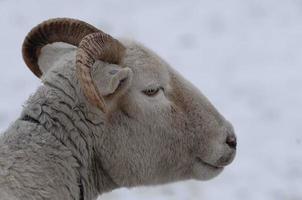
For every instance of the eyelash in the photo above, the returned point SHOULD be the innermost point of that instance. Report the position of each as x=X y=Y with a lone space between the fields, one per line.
x=152 y=92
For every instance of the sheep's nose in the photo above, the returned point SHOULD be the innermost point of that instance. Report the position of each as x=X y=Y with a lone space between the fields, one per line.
x=231 y=141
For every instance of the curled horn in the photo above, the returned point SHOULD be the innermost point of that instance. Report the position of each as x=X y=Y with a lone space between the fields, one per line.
x=96 y=46
x=67 y=30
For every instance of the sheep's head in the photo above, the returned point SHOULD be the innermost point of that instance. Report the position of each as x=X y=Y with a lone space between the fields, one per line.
x=159 y=128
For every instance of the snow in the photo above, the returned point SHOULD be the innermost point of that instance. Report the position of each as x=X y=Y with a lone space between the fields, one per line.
x=244 y=55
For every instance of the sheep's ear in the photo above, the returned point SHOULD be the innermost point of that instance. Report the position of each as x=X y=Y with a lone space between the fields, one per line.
x=111 y=79
x=53 y=53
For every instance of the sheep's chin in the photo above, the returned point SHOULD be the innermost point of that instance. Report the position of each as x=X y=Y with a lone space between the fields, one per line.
x=204 y=171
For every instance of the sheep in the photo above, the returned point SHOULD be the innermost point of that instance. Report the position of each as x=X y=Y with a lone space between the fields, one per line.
x=109 y=114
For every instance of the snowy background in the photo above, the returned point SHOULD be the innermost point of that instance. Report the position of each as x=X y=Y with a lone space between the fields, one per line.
x=246 y=56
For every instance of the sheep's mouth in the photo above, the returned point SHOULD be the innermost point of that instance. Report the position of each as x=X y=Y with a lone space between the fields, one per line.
x=199 y=160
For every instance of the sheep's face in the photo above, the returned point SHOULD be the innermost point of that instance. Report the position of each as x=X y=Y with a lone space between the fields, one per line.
x=159 y=127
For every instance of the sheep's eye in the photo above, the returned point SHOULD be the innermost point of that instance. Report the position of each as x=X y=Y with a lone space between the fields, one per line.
x=151 y=92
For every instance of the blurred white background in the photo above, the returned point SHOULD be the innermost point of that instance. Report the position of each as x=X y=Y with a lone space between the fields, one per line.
x=246 y=56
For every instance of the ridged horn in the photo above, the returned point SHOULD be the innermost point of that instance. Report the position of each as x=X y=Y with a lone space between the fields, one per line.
x=96 y=46
x=67 y=30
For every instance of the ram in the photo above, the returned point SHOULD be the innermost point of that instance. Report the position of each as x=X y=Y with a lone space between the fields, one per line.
x=110 y=114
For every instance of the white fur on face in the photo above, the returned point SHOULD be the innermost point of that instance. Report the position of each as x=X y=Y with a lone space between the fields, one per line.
x=176 y=134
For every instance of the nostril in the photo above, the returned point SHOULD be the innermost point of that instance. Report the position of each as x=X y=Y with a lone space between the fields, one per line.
x=231 y=141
